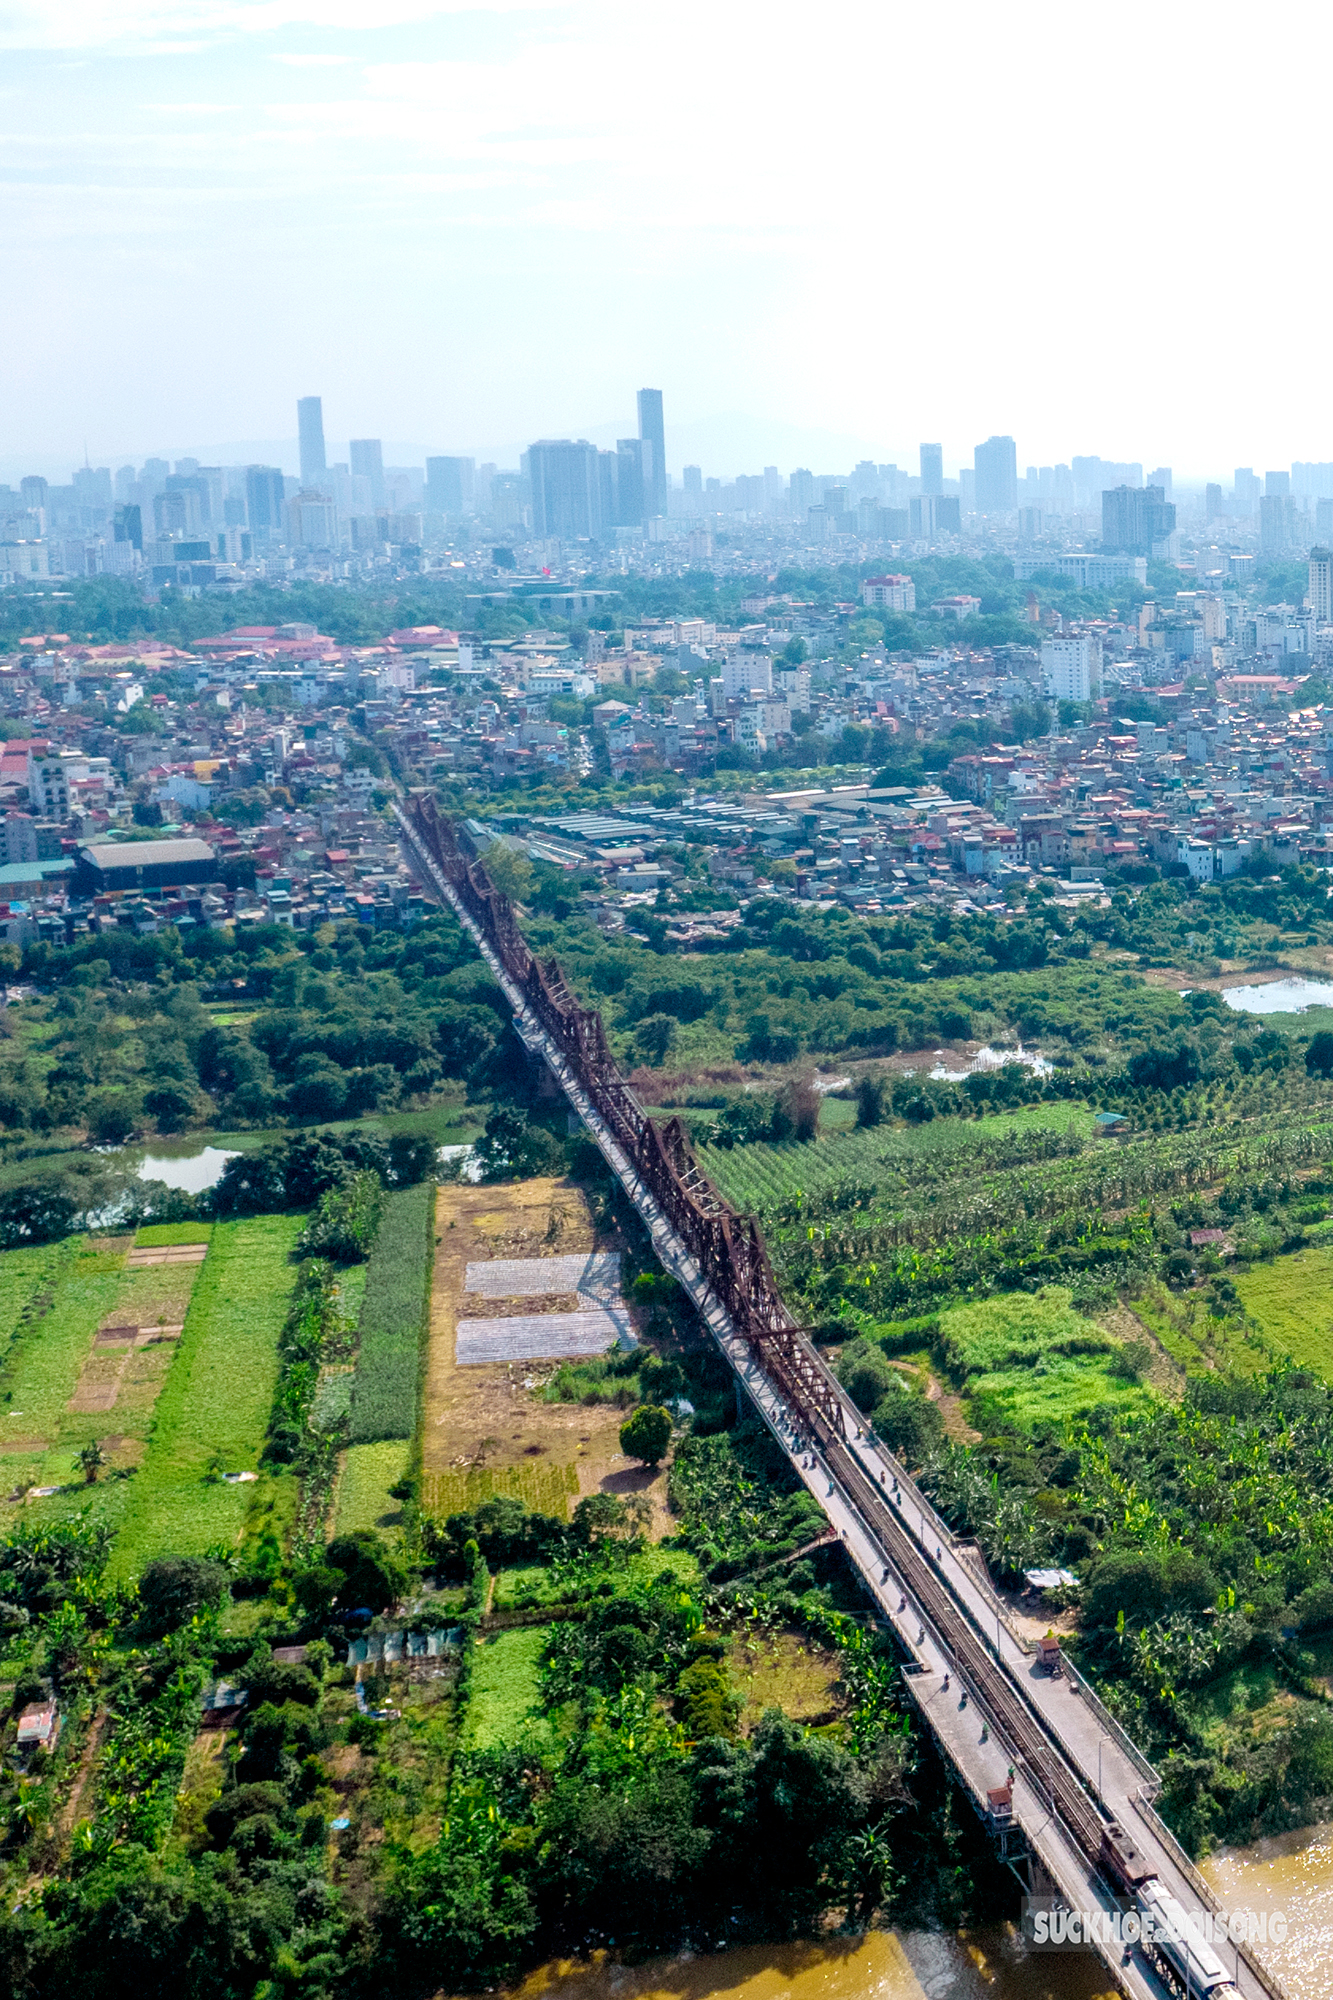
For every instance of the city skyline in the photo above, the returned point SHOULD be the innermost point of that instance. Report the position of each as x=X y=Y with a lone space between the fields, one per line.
x=835 y=452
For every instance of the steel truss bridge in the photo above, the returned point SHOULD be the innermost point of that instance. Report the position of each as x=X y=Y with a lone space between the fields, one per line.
x=1002 y=1722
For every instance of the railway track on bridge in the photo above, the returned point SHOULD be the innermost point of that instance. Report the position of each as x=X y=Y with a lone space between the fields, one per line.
x=721 y=1258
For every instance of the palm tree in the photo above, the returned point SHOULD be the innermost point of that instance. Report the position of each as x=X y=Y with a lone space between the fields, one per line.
x=92 y=1458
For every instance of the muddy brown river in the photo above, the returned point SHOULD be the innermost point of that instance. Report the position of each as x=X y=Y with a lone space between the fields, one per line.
x=879 y=1966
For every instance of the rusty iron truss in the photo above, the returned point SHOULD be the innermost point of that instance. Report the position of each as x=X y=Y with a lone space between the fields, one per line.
x=728 y=1248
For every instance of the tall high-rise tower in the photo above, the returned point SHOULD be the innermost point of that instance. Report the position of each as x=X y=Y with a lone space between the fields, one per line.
x=932 y=470
x=1321 y=585
x=996 y=464
x=367 y=462
x=310 y=426
x=653 y=437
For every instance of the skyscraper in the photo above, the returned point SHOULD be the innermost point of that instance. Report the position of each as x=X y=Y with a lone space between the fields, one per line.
x=996 y=464
x=1247 y=492
x=265 y=497
x=653 y=436
x=1321 y=585
x=1134 y=518
x=366 y=457
x=932 y=470
x=1279 y=528
x=310 y=425
x=630 y=483
x=566 y=488
x=450 y=483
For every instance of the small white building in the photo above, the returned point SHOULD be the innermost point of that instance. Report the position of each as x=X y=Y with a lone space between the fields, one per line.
x=1197 y=856
x=889 y=593
x=1066 y=669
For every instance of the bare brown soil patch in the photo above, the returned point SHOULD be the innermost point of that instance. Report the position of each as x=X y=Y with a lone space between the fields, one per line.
x=69 y=1812
x=478 y=1305
x=604 y=1468
x=118 y=1366
x=951 y=1409
x=170 y=1253
x=485 y=1418
x=131 y=1351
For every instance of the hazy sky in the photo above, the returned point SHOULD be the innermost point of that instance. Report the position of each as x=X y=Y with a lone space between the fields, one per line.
x=825 y=232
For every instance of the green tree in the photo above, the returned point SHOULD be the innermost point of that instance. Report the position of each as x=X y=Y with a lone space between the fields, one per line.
x=869 y=1100
x=1319 y=1053
x=654 y=1039
x=174 y=1588
x=90 y=1461
x=647 y=1434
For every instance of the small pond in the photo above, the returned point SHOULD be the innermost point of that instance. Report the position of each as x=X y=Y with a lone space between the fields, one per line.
x=190 y=1172
x=988 y=1058
x=1279 y=996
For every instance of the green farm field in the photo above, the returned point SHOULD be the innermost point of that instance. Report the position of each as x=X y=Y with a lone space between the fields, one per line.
x=214 y=1409
x=754 y=1174
x=363 y=1498
x=1291 y=1300
x=504 y=1687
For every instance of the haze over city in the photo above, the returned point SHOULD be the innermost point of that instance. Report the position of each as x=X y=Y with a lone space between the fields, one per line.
x=466 y=226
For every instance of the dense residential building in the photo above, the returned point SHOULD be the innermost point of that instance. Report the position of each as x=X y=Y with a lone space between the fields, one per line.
x=889 y=593
x=1066 y=668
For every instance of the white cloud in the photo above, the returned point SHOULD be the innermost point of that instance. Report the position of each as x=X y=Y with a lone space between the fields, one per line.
x=52 y=24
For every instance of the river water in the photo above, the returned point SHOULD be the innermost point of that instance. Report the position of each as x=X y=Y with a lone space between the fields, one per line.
x=1292 y=1872
x=879 y=1966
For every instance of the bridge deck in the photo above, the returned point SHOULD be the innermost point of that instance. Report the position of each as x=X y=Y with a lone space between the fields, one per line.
x=1073 y=1765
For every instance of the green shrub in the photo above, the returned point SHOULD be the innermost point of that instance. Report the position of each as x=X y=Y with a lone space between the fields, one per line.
x=646 y=1434
x=345 y=1224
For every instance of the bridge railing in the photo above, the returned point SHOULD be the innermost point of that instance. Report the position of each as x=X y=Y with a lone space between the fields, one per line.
x=1110 y=1727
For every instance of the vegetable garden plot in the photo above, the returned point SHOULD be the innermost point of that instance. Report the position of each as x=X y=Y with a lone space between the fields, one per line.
x=537 y=1336
x=593 y=1274
x=214 y=1407
x=388 y=1364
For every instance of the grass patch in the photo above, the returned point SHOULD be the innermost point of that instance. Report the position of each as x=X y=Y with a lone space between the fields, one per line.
x=1291 y=1301
x=216 y=1402
x=23 y=1274
x=1197 y=1339
x=779 y=1670
x=160 y=1235
x=388 y=1363
x=543 y=1489
x=533 y=1583
x=368 y=1471
x=48 y=1354
x=504 y=1688
x=1029 y=1361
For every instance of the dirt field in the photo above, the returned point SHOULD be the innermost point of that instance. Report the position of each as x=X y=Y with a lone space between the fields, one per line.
x=484 y=1429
